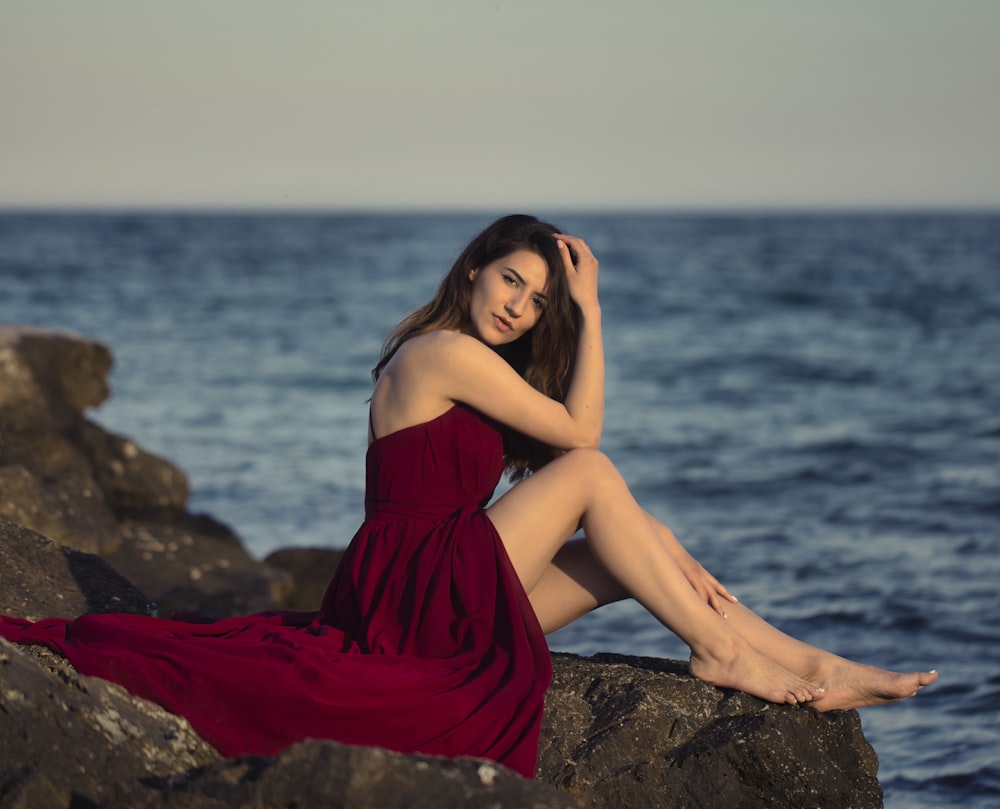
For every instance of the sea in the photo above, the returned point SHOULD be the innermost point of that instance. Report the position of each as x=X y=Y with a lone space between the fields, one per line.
x=810 y=400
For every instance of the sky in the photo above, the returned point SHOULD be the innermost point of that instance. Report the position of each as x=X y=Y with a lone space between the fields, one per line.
x=461 y=104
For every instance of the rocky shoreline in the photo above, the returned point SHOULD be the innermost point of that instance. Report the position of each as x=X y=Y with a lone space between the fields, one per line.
x=91 y=522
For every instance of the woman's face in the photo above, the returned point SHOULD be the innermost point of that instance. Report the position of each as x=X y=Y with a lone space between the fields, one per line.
x=508 y=297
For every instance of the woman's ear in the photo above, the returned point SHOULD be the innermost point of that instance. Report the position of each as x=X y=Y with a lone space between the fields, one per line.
x=472 y=273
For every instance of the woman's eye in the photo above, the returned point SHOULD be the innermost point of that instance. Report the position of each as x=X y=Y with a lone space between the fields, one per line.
x=539 y=303
x=510 y=279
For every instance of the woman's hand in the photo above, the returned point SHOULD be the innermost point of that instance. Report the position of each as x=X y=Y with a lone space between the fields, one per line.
x=581 y=275
x=705 y=584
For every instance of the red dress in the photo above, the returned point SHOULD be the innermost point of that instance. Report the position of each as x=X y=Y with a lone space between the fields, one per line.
x=425 y=642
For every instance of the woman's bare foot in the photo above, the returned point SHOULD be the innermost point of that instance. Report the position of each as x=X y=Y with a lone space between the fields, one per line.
x=746 y=669
x=856 y=685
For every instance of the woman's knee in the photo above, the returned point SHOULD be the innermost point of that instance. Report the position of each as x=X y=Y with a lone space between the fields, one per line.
x=592 y=465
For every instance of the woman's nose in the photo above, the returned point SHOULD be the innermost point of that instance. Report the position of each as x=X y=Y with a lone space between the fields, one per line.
x=515 y=306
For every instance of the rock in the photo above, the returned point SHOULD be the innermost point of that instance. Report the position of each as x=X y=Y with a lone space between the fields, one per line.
x=74 y=516
x=330 y=774
x=66 y=477
x=194 y=565
x=618 y=731
x=60 y=474
x=311 y=570
x=68 y=740
x=72 y=741
x=50 y=377
x=40 y=579
x=131 y=479
x=639 y=732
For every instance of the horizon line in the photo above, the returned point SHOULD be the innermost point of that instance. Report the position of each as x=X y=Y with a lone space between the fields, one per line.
x=758 y=209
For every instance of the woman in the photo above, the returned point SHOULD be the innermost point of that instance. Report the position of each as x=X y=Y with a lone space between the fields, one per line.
x=431 y=635
x=517 y=275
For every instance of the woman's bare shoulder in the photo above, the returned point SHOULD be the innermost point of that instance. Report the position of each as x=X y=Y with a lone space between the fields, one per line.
x=437 y=344
x=450 y=365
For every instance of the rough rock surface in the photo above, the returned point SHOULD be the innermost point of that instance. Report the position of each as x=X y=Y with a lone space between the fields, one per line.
x=66 y=477
x=640 y=732
x=69 y=741
x=618 y=731
x=40 y=579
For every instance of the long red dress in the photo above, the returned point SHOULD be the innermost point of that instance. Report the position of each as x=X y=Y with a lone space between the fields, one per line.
x=425 y=641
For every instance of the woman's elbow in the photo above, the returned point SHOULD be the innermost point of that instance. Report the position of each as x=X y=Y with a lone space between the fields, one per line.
x=588 y=440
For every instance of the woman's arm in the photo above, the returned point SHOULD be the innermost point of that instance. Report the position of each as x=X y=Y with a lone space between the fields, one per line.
x=585 y=399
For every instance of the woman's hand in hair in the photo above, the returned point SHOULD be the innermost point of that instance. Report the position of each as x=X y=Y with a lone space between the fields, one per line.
x=581 y=272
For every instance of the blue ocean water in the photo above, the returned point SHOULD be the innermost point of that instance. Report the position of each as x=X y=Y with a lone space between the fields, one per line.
x=812 y=402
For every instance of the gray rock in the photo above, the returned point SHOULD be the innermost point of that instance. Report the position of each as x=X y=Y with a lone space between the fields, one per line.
x=50 y=377
x=68 y=740
x=66 y=477
x=131 y=479
x=39 y=578
x=193 y=565
x=60 y=474
x=334 y=775
x=641 y=732
x=618 y=731
x=311 y=570
x=72 y=741
x=74 y=518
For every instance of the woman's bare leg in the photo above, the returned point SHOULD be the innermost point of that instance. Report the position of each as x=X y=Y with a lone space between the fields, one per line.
x=576 y=583
x=537 y=516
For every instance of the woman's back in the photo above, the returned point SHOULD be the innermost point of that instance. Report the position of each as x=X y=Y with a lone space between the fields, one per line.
x=430 y=468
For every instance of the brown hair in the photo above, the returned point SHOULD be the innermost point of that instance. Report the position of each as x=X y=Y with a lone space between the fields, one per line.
x=543 y=357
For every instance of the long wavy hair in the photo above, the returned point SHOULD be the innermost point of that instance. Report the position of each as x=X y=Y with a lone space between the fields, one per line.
x=543 y=357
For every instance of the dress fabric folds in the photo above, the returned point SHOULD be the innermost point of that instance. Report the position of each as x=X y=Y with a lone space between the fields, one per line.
x=425 y=641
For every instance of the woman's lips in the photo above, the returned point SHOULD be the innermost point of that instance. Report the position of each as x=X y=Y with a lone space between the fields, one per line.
x=502 y=324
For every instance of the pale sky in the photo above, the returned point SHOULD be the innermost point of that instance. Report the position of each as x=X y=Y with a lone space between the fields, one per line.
x=454 y=104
